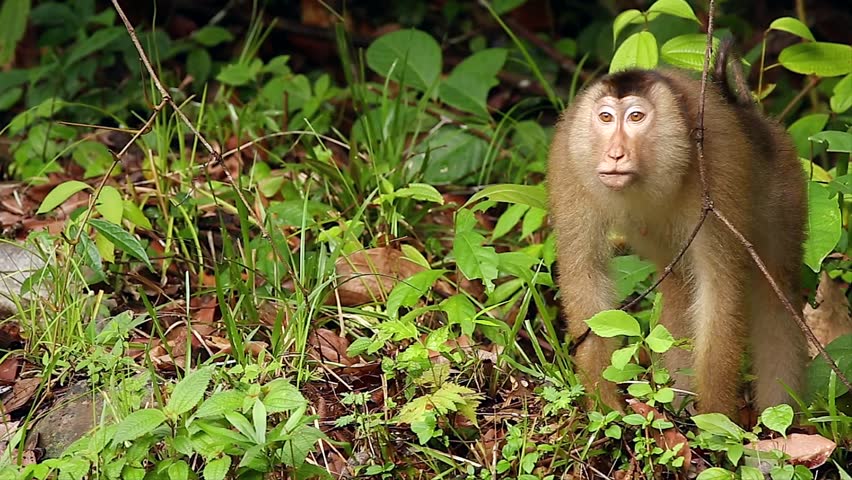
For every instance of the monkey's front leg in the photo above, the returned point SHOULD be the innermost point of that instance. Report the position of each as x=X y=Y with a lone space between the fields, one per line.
x=720 y=274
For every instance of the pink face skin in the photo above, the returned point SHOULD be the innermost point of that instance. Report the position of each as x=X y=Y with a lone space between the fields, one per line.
x=620 y=123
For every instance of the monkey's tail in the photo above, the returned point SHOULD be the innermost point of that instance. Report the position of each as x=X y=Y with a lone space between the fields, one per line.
x=727 y=60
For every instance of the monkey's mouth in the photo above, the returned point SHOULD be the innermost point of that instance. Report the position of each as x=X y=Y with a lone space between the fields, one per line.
x=616 y=180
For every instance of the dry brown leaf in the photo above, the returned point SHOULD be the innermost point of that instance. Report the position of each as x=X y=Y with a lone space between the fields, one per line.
x=329 y=346
x=668 y=438
x=831 y=318
x=9 y=369
x=369 y=275
x=21 y=394
x=808 y=450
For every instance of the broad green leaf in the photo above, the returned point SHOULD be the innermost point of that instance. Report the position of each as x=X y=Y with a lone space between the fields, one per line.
x=815 y=172
x=407 y=292
x=13 y=17
x=505 y=6
x=460 y=311
x=664 y=395
x=475 y=260
x=621 y=357
x=198 y=65
x=138 y=423
x=212 y=35
x=93 y=156
x=135 y=215
x=842 y=98
x=450 y=155
x=629 y=271
x=189 y=391
x=420 y=191
x=238 y=74
x=818 y=58
x=750 y=473
x=411 y=57
x=612 y=323
x=630 y=372
x=660 y=339
x=219 y=403
x=508 y=220
x=110 y=204
x=295 y=451
x=794 y=26
x=687 y=51
x=282 y=396
x=819 y=373
x=837 y=141
x=624 y=19
x=467 y=86
x=531 y=195
x=678 y=8
x=802 y=129
x=823 y=227
x=258 y=418
x=778 y=418
x=718 y=424
x=638 y=51
x=178 y=470
x=122 y=239
x=60 y=194
x=99 y=40
x=639 y=390
x=217 y=469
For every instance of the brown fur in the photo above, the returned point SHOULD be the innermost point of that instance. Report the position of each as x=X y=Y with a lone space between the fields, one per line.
x=715 y=296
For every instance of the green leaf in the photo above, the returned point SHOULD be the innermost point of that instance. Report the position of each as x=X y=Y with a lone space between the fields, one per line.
x=178 y=470
x=530 y=195
x=624 y=19
x=467 y=86
x=639 y=390
x=217 y=469
x=508 y=220
x=802 y=129
x=621 y=357
x=660 y=339
x=750 y=473
x=792 y=25
x=132 y=213
x=189 y=391
x=408 y=56
x=199 y=64
x=718 y=424
x=110 y=204
x=629 y=271
x=778 y=418
x=295 y=451
x=212 y=35
x=121 y=239
x=13 y=17
x=837 y=141
x=460 y=311
x=419 y=191
x=612 y=323
x=819 y=373
x=475 y=260
x=687 y=51
x=638 y=51
x=664 y=395
x=93 y=156
x=823 y=227
x=219 y=403
x=818 y=58
x=282 y=396
x=138 y=423
x=60 y=194
x=677 y=8
x=842 y=98
x=96 y=43
x=505 y=6
x=450 y=155
x=407 y=292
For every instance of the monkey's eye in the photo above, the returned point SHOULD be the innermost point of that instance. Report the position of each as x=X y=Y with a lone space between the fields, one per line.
x=605 y=117
x=636 y=116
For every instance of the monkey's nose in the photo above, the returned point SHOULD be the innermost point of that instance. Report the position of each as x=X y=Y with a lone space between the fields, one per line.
x=616 y=154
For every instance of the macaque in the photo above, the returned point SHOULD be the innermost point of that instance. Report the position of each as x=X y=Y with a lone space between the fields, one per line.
x=624 y=159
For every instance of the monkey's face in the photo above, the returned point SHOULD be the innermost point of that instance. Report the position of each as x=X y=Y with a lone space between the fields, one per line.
x=620 y=125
